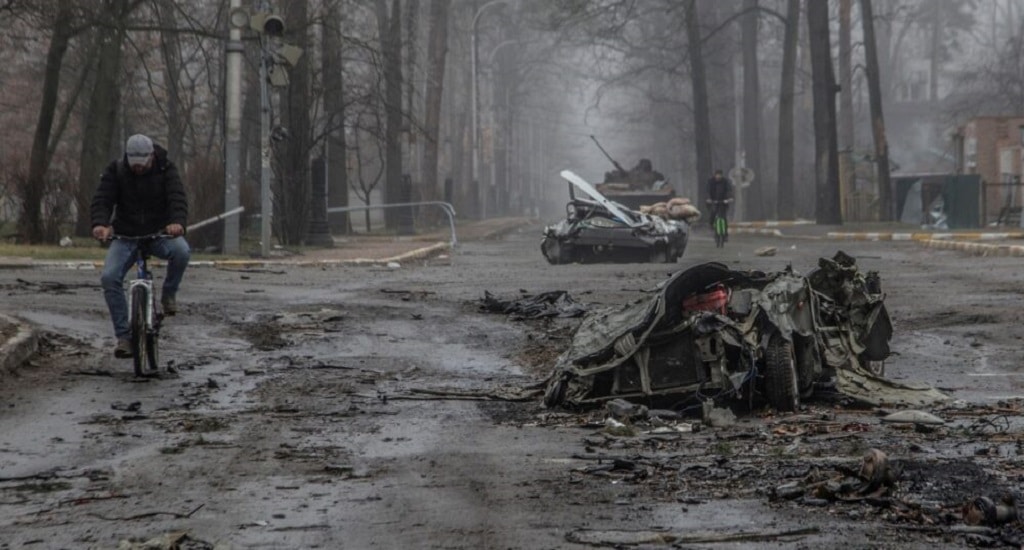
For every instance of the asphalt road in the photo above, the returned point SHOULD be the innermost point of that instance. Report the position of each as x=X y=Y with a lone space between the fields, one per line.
x=368 y=407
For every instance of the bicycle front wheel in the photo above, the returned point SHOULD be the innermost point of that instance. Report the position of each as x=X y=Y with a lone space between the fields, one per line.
x=140 y=349
x=152 y=353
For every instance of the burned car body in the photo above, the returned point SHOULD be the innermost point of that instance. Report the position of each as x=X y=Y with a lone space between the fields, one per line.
x=598 y=230
x=714 y=334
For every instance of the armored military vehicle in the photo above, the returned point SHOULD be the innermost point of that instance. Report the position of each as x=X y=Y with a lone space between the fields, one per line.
x=639 y=186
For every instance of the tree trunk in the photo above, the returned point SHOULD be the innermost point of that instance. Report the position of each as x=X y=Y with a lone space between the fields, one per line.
x=101 y=114
x=437 y=51
x=294 y=189
x=334 y=105
x=411 y=152
x=752 y=195
x=390 y=31
x=701 y=119
x=786 y=100
x=884 y=46
x=169 y=48
x=30 y=222
x=885 y=206
x=825 y=138
x=721 y=52
x=250 y=157
x=936 y=38
x=846 y=130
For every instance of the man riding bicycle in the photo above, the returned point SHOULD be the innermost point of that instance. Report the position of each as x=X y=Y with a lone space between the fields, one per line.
x=139 y=194
x=720 y=194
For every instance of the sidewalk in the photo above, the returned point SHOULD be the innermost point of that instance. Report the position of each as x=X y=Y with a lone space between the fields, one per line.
x=347 y=250
x=979 y=242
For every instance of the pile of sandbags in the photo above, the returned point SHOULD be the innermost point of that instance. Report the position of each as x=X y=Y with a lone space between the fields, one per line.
x=676 y=208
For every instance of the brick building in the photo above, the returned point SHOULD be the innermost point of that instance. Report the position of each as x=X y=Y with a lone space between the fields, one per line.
x=993 y=147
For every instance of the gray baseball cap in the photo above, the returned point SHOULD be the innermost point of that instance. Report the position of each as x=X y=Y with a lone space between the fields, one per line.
x=138 y=149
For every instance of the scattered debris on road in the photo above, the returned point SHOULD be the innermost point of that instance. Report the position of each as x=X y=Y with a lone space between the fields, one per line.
x=728 y=337
x=556 y=303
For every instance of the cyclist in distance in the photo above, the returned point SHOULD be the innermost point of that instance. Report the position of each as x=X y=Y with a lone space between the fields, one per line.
x=140 y=194
x=719 y=191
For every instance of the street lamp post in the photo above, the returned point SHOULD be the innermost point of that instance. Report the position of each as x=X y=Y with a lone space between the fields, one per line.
x=233 y=124
x=274 y=56
x=492 y=115
x=480 y=195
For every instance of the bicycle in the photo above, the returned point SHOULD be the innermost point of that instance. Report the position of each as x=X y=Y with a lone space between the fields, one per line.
x=144 y=317
x=720 y=223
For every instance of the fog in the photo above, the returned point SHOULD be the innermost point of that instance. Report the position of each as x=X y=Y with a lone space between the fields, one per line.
x=482 y=103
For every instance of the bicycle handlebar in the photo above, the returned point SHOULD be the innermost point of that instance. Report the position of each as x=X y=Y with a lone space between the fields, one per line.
x=150 y=237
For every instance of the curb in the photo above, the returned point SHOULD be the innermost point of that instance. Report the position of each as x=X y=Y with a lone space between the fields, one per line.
x=18 y=349
x=896 y=236
x=749 y=230
x=421 y=253
x=772 y=223
x=977 y=249
x=416 y=254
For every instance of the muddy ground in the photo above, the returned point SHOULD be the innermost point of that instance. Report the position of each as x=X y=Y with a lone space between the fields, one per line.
x=380 y=408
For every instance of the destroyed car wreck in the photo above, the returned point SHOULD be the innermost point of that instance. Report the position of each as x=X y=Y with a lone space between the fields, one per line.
x=714 y=336
x=598 y=230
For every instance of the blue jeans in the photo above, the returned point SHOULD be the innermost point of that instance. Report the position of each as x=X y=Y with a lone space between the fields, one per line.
x=120 y=258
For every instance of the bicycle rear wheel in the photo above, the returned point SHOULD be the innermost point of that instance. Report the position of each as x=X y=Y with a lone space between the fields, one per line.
x=141 y=341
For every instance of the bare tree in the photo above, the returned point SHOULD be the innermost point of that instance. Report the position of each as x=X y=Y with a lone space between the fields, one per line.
x=784 y=200
x=368 y=170
x=752 y=109
x=389 y=24
x=825 y=138
x=885 y=206
x=437 y=51
x=334 y=107
x=846 y=128
x=101 y=112
x=293 y=188
x=701 y=118
x=170 y=51
x=30 y=223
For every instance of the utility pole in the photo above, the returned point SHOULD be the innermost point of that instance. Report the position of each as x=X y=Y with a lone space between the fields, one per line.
x=233 y=126
x=274 y=57
x=481 y=192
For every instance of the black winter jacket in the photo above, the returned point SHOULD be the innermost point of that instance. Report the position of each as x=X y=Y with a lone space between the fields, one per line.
x=719 y=190
x=140 y=205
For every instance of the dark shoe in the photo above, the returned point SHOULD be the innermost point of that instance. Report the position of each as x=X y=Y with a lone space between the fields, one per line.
x=169 y=305
x=123 y=349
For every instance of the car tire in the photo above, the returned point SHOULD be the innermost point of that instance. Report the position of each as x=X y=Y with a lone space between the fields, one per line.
x=780 y=379
x=554 y=395
x=660 y=255
x=556 y=252
x=808 y=364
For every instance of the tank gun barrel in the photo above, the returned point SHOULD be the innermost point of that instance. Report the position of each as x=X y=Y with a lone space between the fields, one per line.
x=609 y=157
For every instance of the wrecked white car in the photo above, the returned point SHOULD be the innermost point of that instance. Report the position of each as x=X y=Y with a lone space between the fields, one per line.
x=598 y=230
x=715 y=335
